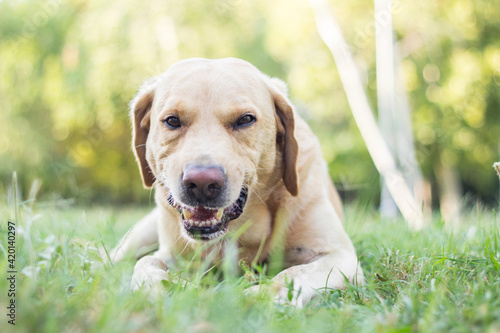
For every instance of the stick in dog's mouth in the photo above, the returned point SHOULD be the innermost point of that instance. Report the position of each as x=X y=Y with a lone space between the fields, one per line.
x=205 y=223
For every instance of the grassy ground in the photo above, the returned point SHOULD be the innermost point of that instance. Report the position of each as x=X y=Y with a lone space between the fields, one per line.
x=429 y=281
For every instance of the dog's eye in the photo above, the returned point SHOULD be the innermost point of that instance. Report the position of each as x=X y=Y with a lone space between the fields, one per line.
x=245 y=121
x=172 y=122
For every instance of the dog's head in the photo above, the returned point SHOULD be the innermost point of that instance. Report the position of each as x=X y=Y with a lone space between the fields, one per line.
x=211 y=133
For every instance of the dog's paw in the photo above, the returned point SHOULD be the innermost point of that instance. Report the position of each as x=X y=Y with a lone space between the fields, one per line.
x=148 y=273
x=284 y=293
x=252 y=291
x=299 y=290
x=294 y=293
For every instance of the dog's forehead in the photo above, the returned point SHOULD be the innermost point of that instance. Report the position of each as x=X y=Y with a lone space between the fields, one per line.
x=217 y=65
x=205 y=78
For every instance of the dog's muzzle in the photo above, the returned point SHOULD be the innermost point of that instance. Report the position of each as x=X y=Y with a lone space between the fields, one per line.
x=205 y=223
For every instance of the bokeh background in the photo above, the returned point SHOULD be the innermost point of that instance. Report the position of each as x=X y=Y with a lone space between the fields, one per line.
x=68 y=69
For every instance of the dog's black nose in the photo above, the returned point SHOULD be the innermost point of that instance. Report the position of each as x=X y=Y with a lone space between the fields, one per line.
x=203 y=182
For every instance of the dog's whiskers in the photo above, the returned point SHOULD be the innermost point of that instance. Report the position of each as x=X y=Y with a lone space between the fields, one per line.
x=185 y=246
x=254 y=192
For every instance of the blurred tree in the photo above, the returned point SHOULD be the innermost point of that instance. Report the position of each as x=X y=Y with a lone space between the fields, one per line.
x=69 y=68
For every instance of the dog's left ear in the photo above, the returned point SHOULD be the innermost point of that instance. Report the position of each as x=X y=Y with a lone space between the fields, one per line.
x=285 y=123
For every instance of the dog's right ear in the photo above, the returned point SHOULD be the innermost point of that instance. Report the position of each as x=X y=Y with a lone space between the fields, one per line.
x=140 y=112
x=285 y=122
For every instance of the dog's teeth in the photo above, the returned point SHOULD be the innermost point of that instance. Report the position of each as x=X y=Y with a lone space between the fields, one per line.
x=203 y=223
x=187 y=214
x=213 y=221
x=218 y=216
x=195 y=222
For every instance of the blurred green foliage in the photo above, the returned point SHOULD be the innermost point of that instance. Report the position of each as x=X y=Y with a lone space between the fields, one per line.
x=69 y=68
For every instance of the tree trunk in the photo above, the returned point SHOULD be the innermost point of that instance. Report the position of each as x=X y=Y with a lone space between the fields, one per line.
x=450 y=194
x=394 y=115
x=384 y=161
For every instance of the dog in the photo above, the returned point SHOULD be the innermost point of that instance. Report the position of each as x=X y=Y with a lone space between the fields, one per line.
x=224 y=148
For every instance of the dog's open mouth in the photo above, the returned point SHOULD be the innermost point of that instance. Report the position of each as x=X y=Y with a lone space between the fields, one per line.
x=205 y=223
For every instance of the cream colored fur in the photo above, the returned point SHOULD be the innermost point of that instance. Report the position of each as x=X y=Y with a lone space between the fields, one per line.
x=292 y=204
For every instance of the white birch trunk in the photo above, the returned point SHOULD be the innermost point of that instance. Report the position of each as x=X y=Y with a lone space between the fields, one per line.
x=386 y=91
x=363 y=115
x=393 y=109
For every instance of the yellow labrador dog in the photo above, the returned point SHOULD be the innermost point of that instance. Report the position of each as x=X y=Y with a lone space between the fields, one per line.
x=222 y=145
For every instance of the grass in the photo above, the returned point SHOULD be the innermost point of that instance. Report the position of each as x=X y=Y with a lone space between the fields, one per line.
x=435 y=280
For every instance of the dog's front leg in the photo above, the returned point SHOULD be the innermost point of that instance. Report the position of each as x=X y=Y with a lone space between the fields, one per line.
x=149 y=271
x=140 y=240
x=308 y=280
